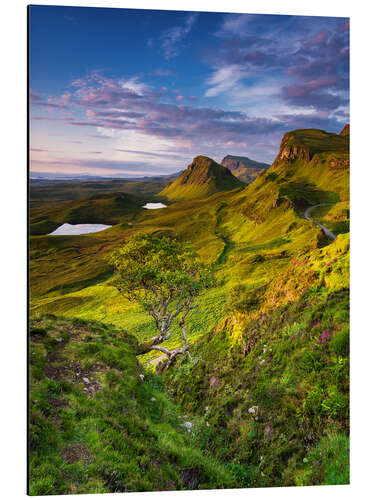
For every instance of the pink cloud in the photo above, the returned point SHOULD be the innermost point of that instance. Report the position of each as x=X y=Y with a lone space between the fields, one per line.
x=320 y=37
x=304 y=88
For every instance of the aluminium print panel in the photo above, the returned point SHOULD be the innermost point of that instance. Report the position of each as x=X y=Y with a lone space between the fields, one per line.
x=188 y=250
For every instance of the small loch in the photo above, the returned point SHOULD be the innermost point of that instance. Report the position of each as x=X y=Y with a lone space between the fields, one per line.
x=72 y=229
x=154 y=206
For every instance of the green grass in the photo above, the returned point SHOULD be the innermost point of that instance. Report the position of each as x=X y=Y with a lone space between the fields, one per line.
x=335 y=217
x=317 y=141
x=70 y=275
x=96 y=426
x=327 y=463
x=274 y=397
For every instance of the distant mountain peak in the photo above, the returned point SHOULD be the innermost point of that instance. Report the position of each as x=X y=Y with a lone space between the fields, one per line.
x=243 y=167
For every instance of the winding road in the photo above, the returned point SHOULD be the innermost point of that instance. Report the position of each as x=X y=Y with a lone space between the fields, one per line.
x=326 y=231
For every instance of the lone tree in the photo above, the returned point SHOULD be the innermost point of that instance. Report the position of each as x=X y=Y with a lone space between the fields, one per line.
x=164 y=276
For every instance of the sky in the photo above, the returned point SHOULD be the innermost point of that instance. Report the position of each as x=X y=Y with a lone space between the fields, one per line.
x=132 y=93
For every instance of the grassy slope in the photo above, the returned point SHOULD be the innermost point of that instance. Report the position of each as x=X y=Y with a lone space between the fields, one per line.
x=269 y=388
x=335 y=217
x=96 y=426
x=69 y=275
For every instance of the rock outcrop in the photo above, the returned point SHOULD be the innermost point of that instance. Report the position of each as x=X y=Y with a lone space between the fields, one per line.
x=345 y=130
x=305 y=144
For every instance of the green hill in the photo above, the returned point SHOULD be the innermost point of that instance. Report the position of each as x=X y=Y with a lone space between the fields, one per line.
x=202 y=178
x=243 y=168
x=231 y=229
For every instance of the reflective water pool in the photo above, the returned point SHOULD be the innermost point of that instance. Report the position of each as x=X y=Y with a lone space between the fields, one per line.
x=67 y=229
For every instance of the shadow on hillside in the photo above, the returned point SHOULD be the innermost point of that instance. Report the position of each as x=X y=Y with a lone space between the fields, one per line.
x=305 y=194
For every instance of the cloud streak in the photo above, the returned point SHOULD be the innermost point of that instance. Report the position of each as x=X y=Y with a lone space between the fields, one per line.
x=173 y=37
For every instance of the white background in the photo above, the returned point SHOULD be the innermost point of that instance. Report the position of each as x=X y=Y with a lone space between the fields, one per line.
x=13 y=241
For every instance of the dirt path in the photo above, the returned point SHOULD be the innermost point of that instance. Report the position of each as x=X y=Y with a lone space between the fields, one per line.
x=326 y=231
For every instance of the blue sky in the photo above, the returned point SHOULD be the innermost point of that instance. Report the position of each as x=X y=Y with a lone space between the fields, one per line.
x=120 y=92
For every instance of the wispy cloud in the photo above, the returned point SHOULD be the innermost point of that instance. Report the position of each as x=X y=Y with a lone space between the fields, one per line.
x=173 y=37
x=223 y=79
x=46 y=118
x=240 y=83
x=164 y=72
x=98 y=136
x=153 y=155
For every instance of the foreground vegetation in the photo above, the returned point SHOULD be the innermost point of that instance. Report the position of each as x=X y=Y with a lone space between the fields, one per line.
x=99 y=423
